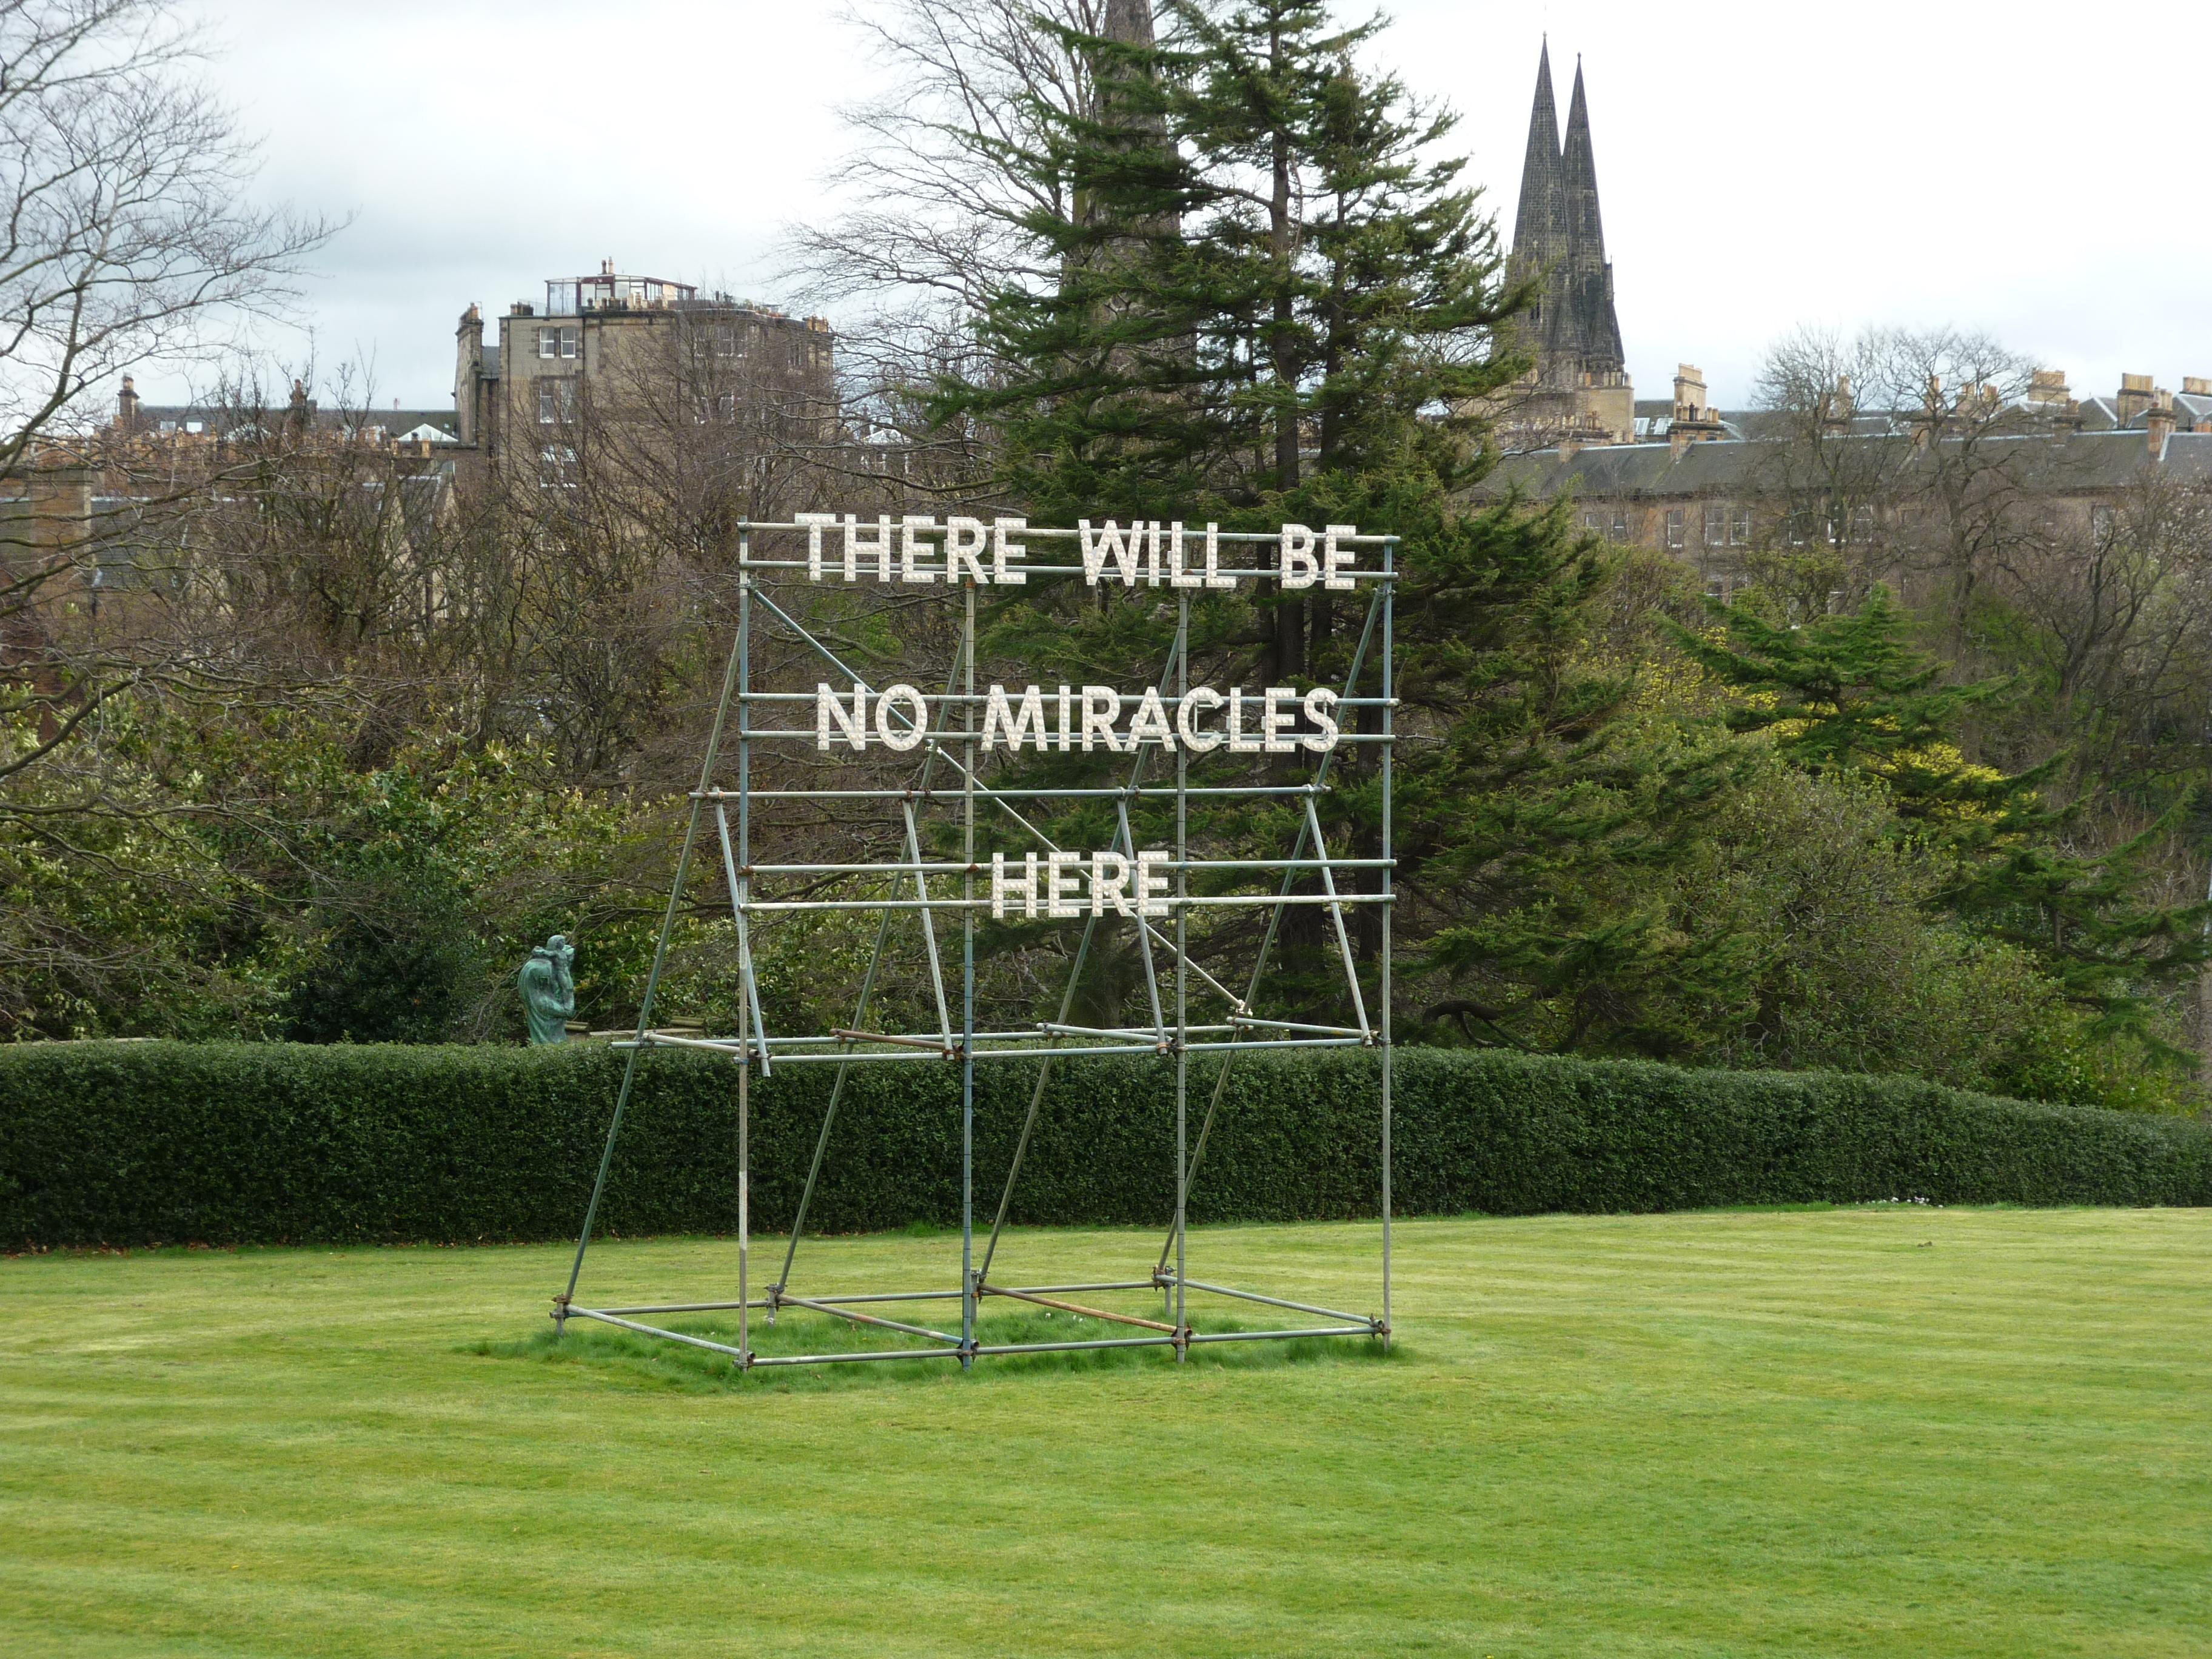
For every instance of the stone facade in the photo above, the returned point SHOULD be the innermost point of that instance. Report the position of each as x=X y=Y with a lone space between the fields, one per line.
x=1715 y=500
x=632 y=350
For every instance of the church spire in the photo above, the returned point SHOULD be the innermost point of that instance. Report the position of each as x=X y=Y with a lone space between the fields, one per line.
x=1596 y=326
x=1578 y=174
x=1578 y=381
x=1537 y=219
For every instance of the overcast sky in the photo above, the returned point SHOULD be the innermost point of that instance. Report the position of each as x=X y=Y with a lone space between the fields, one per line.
x=2026 y=169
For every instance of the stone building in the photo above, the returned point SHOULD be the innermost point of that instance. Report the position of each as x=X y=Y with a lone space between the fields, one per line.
x=121 y=499
x=1716 y=491
x=304 y=419
x=632 y=350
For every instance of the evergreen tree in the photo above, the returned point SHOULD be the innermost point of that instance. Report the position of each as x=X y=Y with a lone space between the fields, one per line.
x=1277 y=303
x=1851 y=694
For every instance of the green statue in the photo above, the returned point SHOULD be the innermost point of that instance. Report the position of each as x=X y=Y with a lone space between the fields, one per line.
x=549 y=990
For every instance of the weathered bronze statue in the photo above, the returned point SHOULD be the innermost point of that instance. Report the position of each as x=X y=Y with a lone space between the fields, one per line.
x=549 y=990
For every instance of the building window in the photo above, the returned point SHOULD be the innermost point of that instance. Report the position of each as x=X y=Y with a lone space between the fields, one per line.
x=556 y=342
x=557 y=467
x=556 y=401
x=1676 y=536
x=1740 y=528
x=725 y=340
x=1716 y=525
x=1593 y=521
x=1862 y=523
x=2100 y=524
x=1620 y=526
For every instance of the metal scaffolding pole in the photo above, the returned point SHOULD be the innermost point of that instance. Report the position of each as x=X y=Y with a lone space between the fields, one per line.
x=1382 y=972
x=567 y=1295
x=747 y=991
x=967 y=996
x=1182 y=982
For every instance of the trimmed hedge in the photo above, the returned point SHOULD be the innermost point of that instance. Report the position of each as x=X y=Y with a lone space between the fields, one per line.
x=127 y=1144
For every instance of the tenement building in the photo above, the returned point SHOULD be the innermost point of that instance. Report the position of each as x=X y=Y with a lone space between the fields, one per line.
x=1870 y=490
x=636 y=352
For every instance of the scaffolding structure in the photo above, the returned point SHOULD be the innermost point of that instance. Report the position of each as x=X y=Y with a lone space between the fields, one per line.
x=948 y=759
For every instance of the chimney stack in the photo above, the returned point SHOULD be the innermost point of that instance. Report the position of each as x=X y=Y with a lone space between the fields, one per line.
x=1838 y=406
x=2162 y=426
x=126 y=406
x=1690 y=393
x=1932 y=412
x=2137 y=394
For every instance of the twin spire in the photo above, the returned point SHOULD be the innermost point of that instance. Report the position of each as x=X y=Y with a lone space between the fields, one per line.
x=1558 y=236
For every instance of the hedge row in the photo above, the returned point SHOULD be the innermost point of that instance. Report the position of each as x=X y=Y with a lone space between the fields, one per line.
x=143 y=1143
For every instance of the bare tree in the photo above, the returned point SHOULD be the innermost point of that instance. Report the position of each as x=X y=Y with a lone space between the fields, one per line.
x=1890 y=456
x=131 y=237
x=2116 y=601
x=129 y=240
x=950 y=180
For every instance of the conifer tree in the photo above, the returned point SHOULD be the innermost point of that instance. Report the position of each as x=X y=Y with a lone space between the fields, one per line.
x=1851 y=693
x=1279 y=301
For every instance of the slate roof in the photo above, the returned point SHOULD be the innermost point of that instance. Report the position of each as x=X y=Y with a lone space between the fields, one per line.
x=2085 y=463
x=178 y=417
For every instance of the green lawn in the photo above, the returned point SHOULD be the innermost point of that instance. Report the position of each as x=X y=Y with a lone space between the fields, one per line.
x=1891 y=1430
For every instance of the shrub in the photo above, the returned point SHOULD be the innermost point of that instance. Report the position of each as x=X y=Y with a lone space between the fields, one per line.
x=126 y=1144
